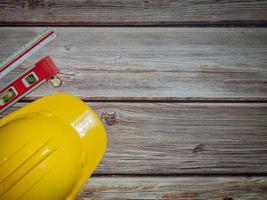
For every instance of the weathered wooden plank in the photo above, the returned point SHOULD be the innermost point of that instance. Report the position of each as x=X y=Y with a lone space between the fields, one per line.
x=184 y=138
x=180 y=188
x=154 y=63
x=141 y=12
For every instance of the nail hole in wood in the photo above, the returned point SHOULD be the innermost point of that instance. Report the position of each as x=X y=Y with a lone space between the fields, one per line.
x=200 y=147
x=228 y=198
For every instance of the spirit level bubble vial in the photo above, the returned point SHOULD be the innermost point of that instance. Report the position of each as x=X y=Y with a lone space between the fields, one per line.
x=42 y=71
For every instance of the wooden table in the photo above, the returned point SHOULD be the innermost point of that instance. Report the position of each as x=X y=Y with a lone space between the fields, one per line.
x=180 y=85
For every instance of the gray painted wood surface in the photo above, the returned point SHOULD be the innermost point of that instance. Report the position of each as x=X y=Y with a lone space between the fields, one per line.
x=163 y=141
x=179 y=188
x=184 y=138
x=154 y=63
x=130 y=12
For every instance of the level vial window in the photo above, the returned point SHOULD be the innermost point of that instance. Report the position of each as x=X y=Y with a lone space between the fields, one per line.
x=7 y=95
x=30 y=79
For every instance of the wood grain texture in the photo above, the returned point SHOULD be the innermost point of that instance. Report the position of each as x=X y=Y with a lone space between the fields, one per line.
x=179 y=188
x=130 y=12
x=153 y=63
x=185 y=138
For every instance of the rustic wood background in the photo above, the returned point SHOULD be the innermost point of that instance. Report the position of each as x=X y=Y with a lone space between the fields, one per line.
x=180 y=85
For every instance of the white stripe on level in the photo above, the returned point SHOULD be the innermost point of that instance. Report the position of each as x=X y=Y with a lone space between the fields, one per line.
x=23 y=95
x=27 y=54
x=24 y=47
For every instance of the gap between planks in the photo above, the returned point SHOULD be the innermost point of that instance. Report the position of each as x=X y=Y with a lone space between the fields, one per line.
x=160 y=100
x=185 y=24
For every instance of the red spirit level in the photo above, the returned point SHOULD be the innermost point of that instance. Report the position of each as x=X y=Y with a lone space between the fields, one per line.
x=42 y=71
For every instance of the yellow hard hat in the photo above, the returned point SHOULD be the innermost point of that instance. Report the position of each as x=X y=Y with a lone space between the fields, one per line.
x=49 y=148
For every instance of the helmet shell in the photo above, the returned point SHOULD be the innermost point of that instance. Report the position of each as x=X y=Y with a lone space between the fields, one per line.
x=48 y=149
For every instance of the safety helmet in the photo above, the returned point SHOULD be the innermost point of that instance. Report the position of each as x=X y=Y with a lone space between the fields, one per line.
x=49 y=148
